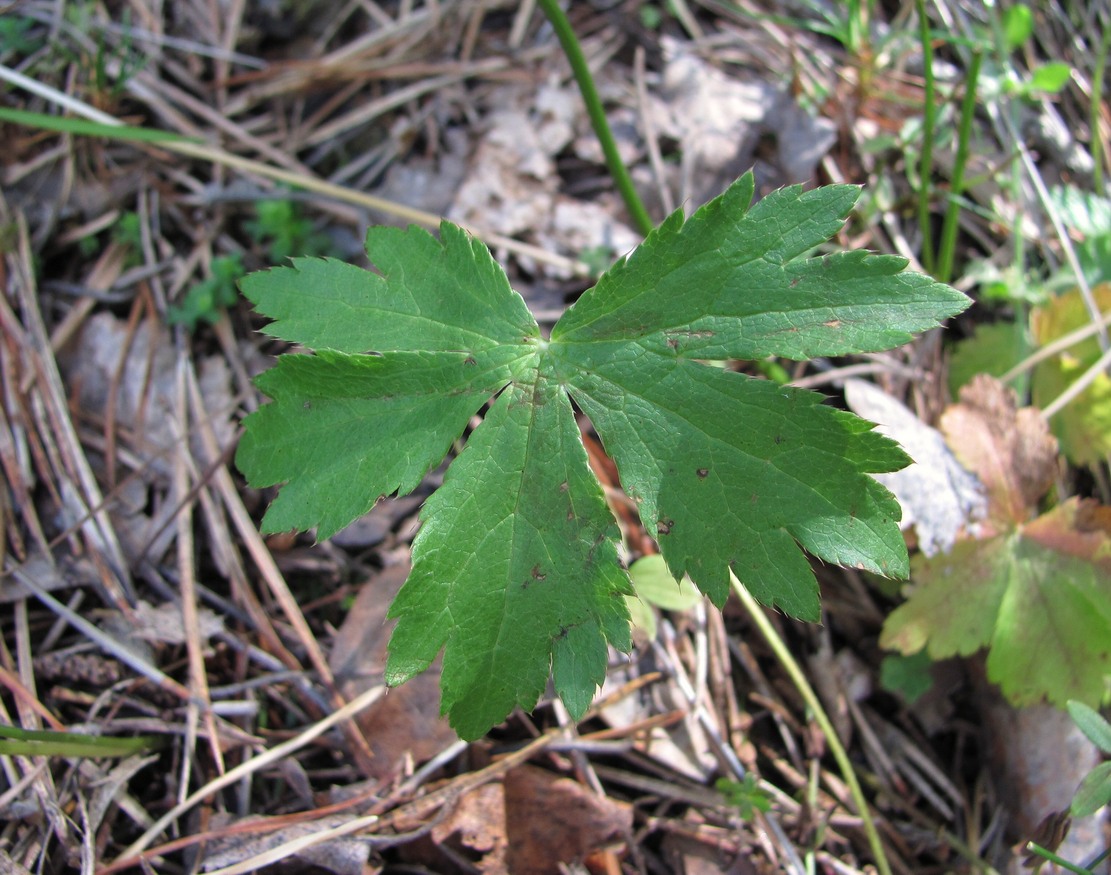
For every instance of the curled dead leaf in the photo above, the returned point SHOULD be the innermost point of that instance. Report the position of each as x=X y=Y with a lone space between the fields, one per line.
x=1010 y=449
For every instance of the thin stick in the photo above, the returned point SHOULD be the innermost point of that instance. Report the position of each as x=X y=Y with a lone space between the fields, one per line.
x=254 y=764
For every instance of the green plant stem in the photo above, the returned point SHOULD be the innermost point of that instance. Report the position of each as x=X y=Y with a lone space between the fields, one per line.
x=949 y=228
x=597 y=113
x=929 y=119
x=1094 y=106
x=779 y=647
x=1035 y=848
x=859 y=30
x=32 y=742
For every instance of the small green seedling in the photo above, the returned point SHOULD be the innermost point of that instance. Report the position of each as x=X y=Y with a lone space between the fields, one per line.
x=17 y=36
x=280 y=226
x=515 y=570
x=746 y=796
x=909 y=676
x=1017 y=26
x=205 y=301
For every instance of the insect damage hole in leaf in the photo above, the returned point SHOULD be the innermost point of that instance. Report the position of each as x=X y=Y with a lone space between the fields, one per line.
x=515 y=572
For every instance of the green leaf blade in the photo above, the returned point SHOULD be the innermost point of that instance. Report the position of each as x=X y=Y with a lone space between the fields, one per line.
x=732 y=472
x=725 y=284
x=1066 y=652
x=1094 y=791
x=1036 y=598
x=345 y=430
x=515 y=572
x=934 y=617
x=1091 y=723
x=1050 y=77
x=442 y=295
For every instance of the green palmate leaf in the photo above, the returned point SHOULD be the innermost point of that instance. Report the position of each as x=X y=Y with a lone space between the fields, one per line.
x=1036 y=599
x=515 y=572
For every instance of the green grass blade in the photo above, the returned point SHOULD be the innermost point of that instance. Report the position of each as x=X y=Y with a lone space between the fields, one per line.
x=30 y=742
x=86 y=128
x=951 y=224
x=929 y=120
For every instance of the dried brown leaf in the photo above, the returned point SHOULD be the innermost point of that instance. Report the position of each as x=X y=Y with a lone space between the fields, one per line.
x=407 y=720
x=477 y=821
x=551 y=820
x=1010 y=450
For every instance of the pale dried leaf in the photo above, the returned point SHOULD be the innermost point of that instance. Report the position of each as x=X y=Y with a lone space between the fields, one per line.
x=724 y=125
x=164 y=624
x=1039 y=757
x=938 y=496
x=511 y=184
x=145 y=397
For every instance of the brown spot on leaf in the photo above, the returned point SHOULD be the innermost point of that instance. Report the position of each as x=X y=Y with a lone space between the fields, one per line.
x=703 y=473
x=664 y=526
x=536 y=573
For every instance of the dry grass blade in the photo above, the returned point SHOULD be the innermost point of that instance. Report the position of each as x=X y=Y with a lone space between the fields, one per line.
x=246 y=530
x=77 y=484
x=303 y=180
x=250 y=767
